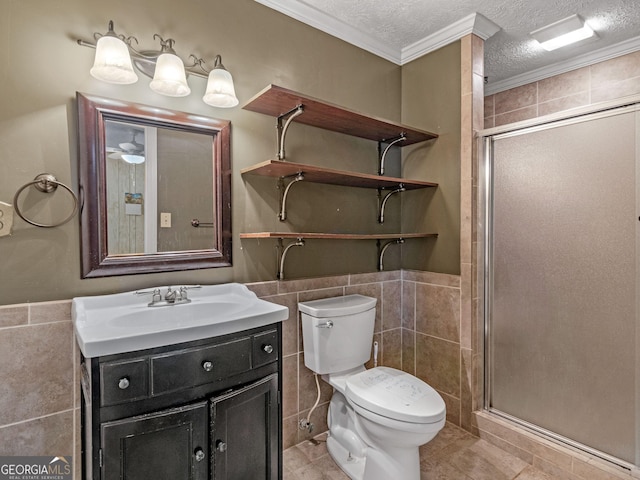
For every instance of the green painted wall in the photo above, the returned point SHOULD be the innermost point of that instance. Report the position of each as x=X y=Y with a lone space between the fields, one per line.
x=41 y=68
x=431 y=100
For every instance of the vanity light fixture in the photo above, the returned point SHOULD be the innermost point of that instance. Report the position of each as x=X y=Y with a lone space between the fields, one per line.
x=563 y=32
x=115 y=57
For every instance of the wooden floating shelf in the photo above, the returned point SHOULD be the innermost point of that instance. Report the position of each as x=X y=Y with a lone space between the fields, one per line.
x=277 y=101
x=279 y=168
x=338 y=236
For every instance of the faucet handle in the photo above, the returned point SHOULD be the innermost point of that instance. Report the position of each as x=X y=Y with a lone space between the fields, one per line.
x=156 y=297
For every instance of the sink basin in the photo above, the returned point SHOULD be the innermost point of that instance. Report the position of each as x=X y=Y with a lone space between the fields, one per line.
x=123 y=322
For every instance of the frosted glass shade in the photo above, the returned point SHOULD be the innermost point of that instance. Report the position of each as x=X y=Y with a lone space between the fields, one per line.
x=112 y=63
x=220 y=91
x=132 y=158
x=170 y=78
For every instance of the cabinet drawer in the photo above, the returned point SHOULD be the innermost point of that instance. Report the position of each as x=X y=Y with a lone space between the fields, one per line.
x=197 y=366
x=265 y=348
x=124 y=381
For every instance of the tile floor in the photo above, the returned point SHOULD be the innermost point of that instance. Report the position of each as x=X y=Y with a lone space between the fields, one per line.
x=453 y=455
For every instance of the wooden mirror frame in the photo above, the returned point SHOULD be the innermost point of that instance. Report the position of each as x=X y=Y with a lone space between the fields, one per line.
x=93 y=111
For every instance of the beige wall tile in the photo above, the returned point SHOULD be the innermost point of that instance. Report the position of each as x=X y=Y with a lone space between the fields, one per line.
x=50 y=435
x=320 y=294
x=567 y=84
x=289 y=431
x=431 y=277
x=616 y=69
x=516 y=115
x=263 y=289
x=438 y=363
x=290 y=386
x=290 y=286
x=453 y=408
x=438 y=311
x=356 y=278
x=409 y=351
x=563 y=103
x=392 y=348
x=516 y=98
x=291 y=337
x=50 y=312
x=489 y=122
x=391 y=305
x=14 y=315
x=36 y=367
x=409 y=305
x=489 y=104
x=613 y=90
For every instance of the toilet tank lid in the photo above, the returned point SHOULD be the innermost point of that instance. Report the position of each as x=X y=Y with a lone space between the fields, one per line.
x=337 y=306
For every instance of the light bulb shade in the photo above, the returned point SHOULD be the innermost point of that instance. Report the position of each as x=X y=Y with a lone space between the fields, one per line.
x=170 y=78
x=220 y=91
x=132 y=158
x=112 y=63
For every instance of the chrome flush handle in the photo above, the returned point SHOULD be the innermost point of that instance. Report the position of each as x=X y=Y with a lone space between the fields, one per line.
x=327 y=324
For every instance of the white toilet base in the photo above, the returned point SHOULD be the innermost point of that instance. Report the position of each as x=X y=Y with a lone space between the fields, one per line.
x=352 y=466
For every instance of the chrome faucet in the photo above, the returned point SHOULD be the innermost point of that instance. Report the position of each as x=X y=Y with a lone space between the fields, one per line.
x=171 y=297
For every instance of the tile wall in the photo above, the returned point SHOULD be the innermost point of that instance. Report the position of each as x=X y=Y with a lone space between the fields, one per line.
x=608 y=80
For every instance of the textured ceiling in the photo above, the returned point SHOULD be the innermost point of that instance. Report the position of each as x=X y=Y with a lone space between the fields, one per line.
x=508 y=53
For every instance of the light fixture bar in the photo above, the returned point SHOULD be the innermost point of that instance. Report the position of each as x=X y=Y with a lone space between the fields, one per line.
x=170 y=80
x=563 y=32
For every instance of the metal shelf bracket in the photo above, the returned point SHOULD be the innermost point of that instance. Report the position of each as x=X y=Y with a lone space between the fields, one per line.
x=383 y=248
x=383 y=153
x=383 y=202
x=284 y=120
x=282 y=254
x=282 y=215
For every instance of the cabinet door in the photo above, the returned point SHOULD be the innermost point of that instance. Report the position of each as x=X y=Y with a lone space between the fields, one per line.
x=167 y=445
x=245 y=429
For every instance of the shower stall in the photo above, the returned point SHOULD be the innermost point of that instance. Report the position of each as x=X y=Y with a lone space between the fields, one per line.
x=561 y=232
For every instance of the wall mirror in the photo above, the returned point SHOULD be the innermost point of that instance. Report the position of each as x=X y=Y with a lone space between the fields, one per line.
x=155 y=187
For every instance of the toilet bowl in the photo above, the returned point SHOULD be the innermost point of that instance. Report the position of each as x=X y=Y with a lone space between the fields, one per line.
x=378 y=417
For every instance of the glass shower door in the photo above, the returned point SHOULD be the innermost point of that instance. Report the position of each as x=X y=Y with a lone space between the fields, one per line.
x=561 y=296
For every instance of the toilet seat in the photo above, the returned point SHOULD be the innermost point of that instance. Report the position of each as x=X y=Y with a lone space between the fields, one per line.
x=395 y=394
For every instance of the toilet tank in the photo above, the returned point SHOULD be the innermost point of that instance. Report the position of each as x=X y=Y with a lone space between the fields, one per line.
x=337 y=332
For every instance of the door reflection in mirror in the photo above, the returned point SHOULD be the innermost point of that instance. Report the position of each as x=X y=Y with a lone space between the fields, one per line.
x=151 y=178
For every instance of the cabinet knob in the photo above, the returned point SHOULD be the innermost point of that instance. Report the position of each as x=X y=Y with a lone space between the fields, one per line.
x=123 y=383
x=267 y=348
x=208 y=366
x=221 y=446
x=199 y=453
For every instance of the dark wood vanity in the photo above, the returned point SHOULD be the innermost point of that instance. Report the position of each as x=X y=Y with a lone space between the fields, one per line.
x=206 y=409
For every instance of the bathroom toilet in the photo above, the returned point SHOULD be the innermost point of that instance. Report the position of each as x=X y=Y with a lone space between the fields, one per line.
x=378 y=417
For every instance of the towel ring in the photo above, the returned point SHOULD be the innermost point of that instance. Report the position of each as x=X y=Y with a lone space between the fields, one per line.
x=46 y=183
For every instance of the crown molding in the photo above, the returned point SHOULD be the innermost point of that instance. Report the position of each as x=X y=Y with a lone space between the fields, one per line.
x=591 y=58
x=318 y=19
x=474 y=23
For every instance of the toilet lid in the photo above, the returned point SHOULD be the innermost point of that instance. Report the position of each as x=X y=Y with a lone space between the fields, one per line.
x=395 y=394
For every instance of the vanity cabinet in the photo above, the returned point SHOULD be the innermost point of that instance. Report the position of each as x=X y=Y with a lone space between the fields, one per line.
x=207 y=409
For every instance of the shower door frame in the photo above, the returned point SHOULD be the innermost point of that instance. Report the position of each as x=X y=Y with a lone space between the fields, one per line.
x=485 y=253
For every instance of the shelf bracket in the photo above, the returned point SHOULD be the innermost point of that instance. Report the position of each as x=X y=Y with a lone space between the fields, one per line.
x=400 y=188
x=284 y=120
x=383 y=153
x=299 y=242
x=383 y=248
x=282 y=215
